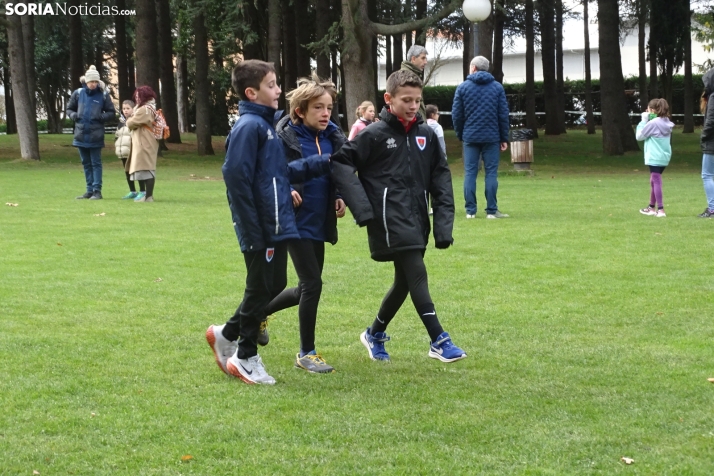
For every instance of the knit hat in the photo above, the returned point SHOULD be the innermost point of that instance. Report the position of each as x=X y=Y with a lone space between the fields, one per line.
x=91 y=75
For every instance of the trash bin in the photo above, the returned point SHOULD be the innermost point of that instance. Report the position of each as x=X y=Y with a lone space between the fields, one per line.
x=521 y=142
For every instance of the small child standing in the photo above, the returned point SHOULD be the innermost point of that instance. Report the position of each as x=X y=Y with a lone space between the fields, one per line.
x=399 y=164
x=122 y=146
x=656 y=130
x=432 y=120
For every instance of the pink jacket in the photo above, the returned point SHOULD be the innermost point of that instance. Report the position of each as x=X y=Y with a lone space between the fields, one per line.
x=357 y=128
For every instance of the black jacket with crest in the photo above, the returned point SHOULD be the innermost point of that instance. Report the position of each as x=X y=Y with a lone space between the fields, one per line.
x=397 y=173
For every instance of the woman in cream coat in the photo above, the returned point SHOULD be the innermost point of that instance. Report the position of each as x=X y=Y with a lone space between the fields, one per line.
x=144 y=147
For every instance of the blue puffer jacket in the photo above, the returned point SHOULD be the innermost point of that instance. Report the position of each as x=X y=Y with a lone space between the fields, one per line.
x=90 y=109
x=258 y=177
x=480 y=110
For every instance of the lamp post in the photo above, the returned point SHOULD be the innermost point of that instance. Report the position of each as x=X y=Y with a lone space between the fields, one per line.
x=476 y=11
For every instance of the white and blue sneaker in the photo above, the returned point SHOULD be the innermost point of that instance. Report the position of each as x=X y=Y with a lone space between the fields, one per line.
x=375 y=344
x=445 y=350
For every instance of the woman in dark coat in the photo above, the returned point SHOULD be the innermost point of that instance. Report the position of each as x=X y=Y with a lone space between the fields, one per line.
x=90 y=107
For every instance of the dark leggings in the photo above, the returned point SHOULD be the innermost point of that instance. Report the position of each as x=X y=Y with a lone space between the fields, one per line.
x=148 y=185
x=409 y=278
x=132 y=187
x=308 y=257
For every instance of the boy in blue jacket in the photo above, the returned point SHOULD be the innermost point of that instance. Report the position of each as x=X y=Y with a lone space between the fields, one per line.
x=258 y=178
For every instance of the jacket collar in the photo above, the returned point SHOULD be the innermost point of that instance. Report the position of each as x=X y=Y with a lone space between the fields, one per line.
x=268 y=113
x=409 y=66
x=395 y=123
x=286 y=131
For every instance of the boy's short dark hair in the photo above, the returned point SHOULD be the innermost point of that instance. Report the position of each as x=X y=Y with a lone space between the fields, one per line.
x=249 y=74
x=402 y=78
x=431 y=111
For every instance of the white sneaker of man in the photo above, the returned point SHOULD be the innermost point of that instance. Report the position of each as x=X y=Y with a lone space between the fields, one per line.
x=222 y=347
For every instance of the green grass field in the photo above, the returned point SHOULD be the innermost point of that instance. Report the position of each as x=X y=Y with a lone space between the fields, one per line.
x=588 y=328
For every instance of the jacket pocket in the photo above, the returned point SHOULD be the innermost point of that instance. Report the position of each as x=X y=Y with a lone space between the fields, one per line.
x=277 y=213
x=384 y=216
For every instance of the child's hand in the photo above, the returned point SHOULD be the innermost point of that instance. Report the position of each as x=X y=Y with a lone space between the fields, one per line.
x=297 y=199
x=645 y=116
x=340 y=207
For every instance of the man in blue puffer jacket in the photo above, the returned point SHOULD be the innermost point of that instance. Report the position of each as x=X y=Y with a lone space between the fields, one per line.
x=480 y=115
x=90 y=107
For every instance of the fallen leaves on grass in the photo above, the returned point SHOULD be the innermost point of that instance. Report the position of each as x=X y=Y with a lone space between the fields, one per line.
x=711 y=380
x=59 y=244
x=100 y=214
x=35 y=472
x=158 y=280
x=11 y=204
x=186 y=458
x=627 y=460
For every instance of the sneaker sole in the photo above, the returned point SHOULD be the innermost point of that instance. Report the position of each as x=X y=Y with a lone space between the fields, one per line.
x=211 y=339
x=233 y=371
x=298 y=366
x=648 y=214
x=363 y=339
x=437 y=356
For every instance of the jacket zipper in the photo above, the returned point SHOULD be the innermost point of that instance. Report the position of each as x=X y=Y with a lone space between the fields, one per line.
x=426 y=200
x=384 y=216
x=275 y=194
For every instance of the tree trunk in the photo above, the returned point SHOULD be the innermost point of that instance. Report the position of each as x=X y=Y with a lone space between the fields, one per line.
x=220 y=117
x=147 y=51
x=654 y=87
x=122 y=60
x=181 y=86
x=99 y=57
x=468 y=51
x=302 y=27
x=374 y=53
x=290 y=65
x=168 y=86
x=397 y=52
x=130 y=66
x=202 y=91
x=28 y=34
x=76 y=61
x=547 y=33
x=642 y=53
x=589 y=116
x=499 y=20
x=24 y=111
x=617 y=133
x=356 y=60
x=485 y=38
x=251 y=18
x=559 y=79
x=388 y=63
x=7 y=83
x=531 y=118
x=409 y=38
x=688 y=86
x=322 y=58
x=420 y=11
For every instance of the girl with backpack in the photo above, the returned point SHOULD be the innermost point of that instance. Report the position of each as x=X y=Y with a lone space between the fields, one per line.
x=141 y=165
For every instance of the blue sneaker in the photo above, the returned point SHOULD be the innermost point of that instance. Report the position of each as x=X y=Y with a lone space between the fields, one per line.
x=130 y=196
x=375 y=344
x=445 y=350
x=140 y=197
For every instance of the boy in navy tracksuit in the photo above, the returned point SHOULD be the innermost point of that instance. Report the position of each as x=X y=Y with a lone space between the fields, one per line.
x=258 y=178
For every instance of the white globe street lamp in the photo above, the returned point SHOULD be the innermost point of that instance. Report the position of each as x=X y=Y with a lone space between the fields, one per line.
x=476 y=11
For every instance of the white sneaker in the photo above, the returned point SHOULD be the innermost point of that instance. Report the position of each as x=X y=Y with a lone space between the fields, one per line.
x=497 y=214
x=222 y=347
x=470 y=216
x=660 y=214
x=250 y=370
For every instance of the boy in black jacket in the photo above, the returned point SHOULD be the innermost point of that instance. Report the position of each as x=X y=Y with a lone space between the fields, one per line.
x=258 y=178
x=400 y=165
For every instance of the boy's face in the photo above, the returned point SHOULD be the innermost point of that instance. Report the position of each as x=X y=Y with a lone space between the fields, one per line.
x=318 y=112
x=405 y=102
x=268 y=94
x=127 y=110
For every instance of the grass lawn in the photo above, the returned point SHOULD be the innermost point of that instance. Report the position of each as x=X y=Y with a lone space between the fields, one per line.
x=588 y=328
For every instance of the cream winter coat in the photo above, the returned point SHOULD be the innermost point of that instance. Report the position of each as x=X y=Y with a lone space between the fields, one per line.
x=144 y=148
x=122 y=143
